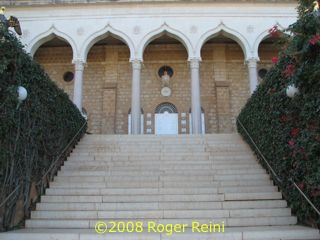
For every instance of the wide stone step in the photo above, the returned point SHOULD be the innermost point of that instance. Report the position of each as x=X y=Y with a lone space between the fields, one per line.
x=142 y=172
x=216 y=177
x=117 y=191
x=228 y=222
x=165 y=214
x=230 y=233
x=262 y=204
x=135 y=198
x=161 y=184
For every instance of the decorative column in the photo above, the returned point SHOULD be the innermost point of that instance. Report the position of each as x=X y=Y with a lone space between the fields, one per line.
x=135 y=97
x=253 y=73
x=78 y=83
x=195 y=96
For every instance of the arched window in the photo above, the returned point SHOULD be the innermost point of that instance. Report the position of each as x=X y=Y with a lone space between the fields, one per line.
x=166 y=107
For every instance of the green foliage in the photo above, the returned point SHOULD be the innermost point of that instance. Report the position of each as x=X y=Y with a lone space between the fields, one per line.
x=35 y=131
x=287 y=130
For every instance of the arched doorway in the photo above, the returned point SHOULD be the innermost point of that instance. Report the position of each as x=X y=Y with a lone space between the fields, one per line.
x=166 y=119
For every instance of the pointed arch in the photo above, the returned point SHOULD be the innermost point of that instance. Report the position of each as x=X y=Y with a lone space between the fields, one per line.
x=163 y=29
x=264 y=35
x=227 y=32
x=48 y=35
x=108 y=30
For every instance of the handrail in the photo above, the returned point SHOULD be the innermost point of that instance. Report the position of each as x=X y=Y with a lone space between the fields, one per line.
x=274 y=173
x=51 y=166
x=61 y=153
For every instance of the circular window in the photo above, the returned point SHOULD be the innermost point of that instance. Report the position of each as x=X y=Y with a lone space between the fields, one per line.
x=262 y=72
x=68 y=76
x=165 y=70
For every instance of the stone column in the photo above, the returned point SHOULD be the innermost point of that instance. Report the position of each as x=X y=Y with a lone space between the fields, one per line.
x=78 y=83
x=195 y=96
x=135 y=97
x=253 y=74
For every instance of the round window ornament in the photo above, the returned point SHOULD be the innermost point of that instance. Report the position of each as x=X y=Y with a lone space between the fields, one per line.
x=68 y=76
x=292 y=90
x=166 y=92
x=262 y=73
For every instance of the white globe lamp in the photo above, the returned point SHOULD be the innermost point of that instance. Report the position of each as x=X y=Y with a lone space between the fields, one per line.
x=292 y=90
x=22 y=93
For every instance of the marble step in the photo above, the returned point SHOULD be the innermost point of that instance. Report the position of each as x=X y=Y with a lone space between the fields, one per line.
x=161 y=197
x=160 y=184
x=262 y=204
x=230 y=233
x=150 y=191
x=161 y=214
x=130 y=178
x=161 y=173
x=228 y=222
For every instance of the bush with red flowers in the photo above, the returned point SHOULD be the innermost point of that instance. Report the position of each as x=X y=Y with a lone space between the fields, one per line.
x=287 y=130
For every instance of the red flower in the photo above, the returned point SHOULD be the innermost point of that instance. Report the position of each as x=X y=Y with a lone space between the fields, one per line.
x=275 y=60
x=314 y=40
x=274 y=32
x=288 y=72
x=291 y=142
x=295 y=132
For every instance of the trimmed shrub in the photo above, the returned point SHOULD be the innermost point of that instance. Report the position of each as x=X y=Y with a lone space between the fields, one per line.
x=32 y=132
x=287 y=130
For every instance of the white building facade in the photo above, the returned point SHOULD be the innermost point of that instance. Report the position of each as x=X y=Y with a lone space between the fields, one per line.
x=202 y=43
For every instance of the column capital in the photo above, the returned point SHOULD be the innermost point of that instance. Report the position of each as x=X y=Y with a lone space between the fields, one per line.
x=252 y=62
x=79 y=64
x=194 y=62
x=136 y=64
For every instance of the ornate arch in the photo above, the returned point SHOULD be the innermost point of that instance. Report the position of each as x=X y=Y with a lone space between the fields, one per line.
x=103 y=33
x=166 y=107
x=228 y=32
x=163 y=29
x=264 y=35
x=48 y=35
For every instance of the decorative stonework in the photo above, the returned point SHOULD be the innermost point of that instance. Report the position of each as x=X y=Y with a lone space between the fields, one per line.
x=193 y=29
x=80 y=31
x=136 y=30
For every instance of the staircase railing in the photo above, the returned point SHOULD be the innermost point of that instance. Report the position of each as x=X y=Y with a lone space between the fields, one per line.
x=54 y=167
x=43 y=183
x=276 y=177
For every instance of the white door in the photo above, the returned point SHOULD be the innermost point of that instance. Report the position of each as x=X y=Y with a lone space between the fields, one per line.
x=166 y=123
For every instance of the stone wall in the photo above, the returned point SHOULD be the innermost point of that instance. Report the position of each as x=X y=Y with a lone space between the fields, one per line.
x=108 y=73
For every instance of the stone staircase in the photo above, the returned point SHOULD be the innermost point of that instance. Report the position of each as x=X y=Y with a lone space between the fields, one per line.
x=166 y=187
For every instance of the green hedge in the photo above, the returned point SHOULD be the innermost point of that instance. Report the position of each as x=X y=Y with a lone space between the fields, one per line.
x=287 y=130
x=34 y=132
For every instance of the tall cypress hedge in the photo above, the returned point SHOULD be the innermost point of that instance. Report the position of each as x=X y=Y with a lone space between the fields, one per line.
x=32 y=132
x=287 y=130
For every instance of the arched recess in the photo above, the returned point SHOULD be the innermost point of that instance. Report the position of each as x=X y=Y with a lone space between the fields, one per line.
x=164 y=29
x=104 y=33
x=48 y=35
x=227 y=32
x=266 y=48
x=263 y=36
